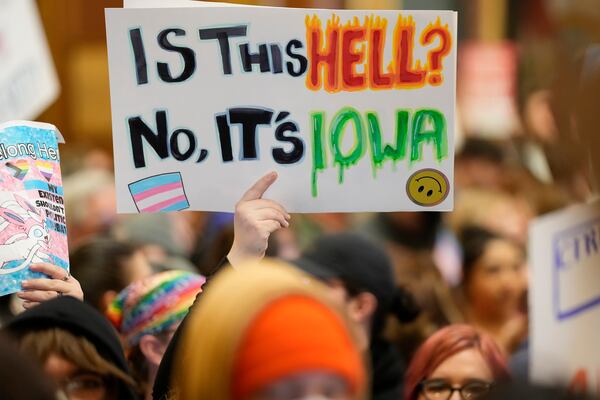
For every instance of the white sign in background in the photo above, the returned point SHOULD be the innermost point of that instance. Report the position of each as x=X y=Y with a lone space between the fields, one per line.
x=214 y=185
x=28 y=82
x=565 y=297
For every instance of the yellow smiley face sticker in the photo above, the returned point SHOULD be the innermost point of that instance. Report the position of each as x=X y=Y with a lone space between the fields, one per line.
x=427 y=187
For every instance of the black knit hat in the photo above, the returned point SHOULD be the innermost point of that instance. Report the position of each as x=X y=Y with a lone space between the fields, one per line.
x=79 y=319
x=361 y=265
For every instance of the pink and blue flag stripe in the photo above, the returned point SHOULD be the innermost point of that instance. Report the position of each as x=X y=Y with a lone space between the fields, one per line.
x=159 y=193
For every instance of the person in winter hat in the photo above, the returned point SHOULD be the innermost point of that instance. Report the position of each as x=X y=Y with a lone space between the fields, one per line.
x=77 y=347
x=268 y=331
x=147 y=313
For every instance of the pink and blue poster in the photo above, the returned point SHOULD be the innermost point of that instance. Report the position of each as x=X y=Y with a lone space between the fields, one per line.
x=32 y=211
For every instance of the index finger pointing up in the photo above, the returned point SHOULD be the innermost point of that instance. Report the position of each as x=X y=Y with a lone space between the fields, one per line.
x=259 y=188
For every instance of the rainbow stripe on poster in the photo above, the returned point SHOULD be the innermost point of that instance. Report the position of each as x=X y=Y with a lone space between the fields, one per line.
x=17 y=169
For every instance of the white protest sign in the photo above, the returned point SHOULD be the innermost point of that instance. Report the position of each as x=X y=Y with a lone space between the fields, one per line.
x=565 y=297
x=175 y=3
x=28 y=82
x=353 y=109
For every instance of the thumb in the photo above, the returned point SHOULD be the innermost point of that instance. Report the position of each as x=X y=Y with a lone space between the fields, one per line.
x=260 y=187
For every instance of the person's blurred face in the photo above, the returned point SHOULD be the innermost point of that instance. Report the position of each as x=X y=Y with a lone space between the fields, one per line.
x=355 y=308
x=467 y=367
x=510 y=217
x=76 y=384
x=138 y=267
x=154 y=346
x=497 y=283
x=485 y=174
x=102 y=211
x=306 y=386
x=338 y=292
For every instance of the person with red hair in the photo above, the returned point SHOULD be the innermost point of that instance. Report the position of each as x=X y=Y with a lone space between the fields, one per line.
x=457 y=362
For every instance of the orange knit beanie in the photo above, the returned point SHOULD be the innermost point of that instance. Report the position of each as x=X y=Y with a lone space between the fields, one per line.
x=295 y=334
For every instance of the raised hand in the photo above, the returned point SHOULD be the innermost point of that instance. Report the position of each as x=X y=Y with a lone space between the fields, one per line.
x=255 y=219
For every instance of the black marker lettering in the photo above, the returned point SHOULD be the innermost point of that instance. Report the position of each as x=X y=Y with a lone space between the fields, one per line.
x=189 y=58
x=224 y=137
x=138 y=130
x=223 y=35
x=261 y=58
x=279 y=154
x=141 y=68
x=174 y=142
x=249 y=118
x=276 y=59
x=302 y=61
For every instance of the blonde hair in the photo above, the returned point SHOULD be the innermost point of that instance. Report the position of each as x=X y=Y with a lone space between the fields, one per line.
x=215 y=328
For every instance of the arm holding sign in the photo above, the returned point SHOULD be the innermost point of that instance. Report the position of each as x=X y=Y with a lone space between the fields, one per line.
x=60 y=283
x=254 y=221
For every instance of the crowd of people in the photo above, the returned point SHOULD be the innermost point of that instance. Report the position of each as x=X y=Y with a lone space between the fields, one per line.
x=262 y=305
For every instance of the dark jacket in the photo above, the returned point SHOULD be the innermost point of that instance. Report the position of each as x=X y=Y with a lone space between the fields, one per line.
x=79 y=319
x=388 y=368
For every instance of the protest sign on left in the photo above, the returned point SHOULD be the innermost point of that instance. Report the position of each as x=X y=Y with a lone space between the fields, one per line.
x=28 y=82
x=32 y=210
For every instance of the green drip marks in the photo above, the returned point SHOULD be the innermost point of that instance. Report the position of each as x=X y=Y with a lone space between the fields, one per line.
x=422 y=126
x=436 y=135
x=319 y=154
x=394 y=153
x=337 y=131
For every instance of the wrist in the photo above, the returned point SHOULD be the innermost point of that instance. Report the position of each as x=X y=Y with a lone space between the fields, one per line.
x=238 y=256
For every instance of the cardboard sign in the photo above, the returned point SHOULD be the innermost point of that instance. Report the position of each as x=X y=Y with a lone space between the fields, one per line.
x=32 y=211
x=565 y=297
x=28 y=82
x=353 y=109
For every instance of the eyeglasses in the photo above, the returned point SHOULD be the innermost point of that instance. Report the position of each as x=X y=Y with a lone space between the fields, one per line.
x=85 y=386
x=439 y=389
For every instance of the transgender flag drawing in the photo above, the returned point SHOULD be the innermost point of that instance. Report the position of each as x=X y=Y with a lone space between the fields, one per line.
x=159 y=193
